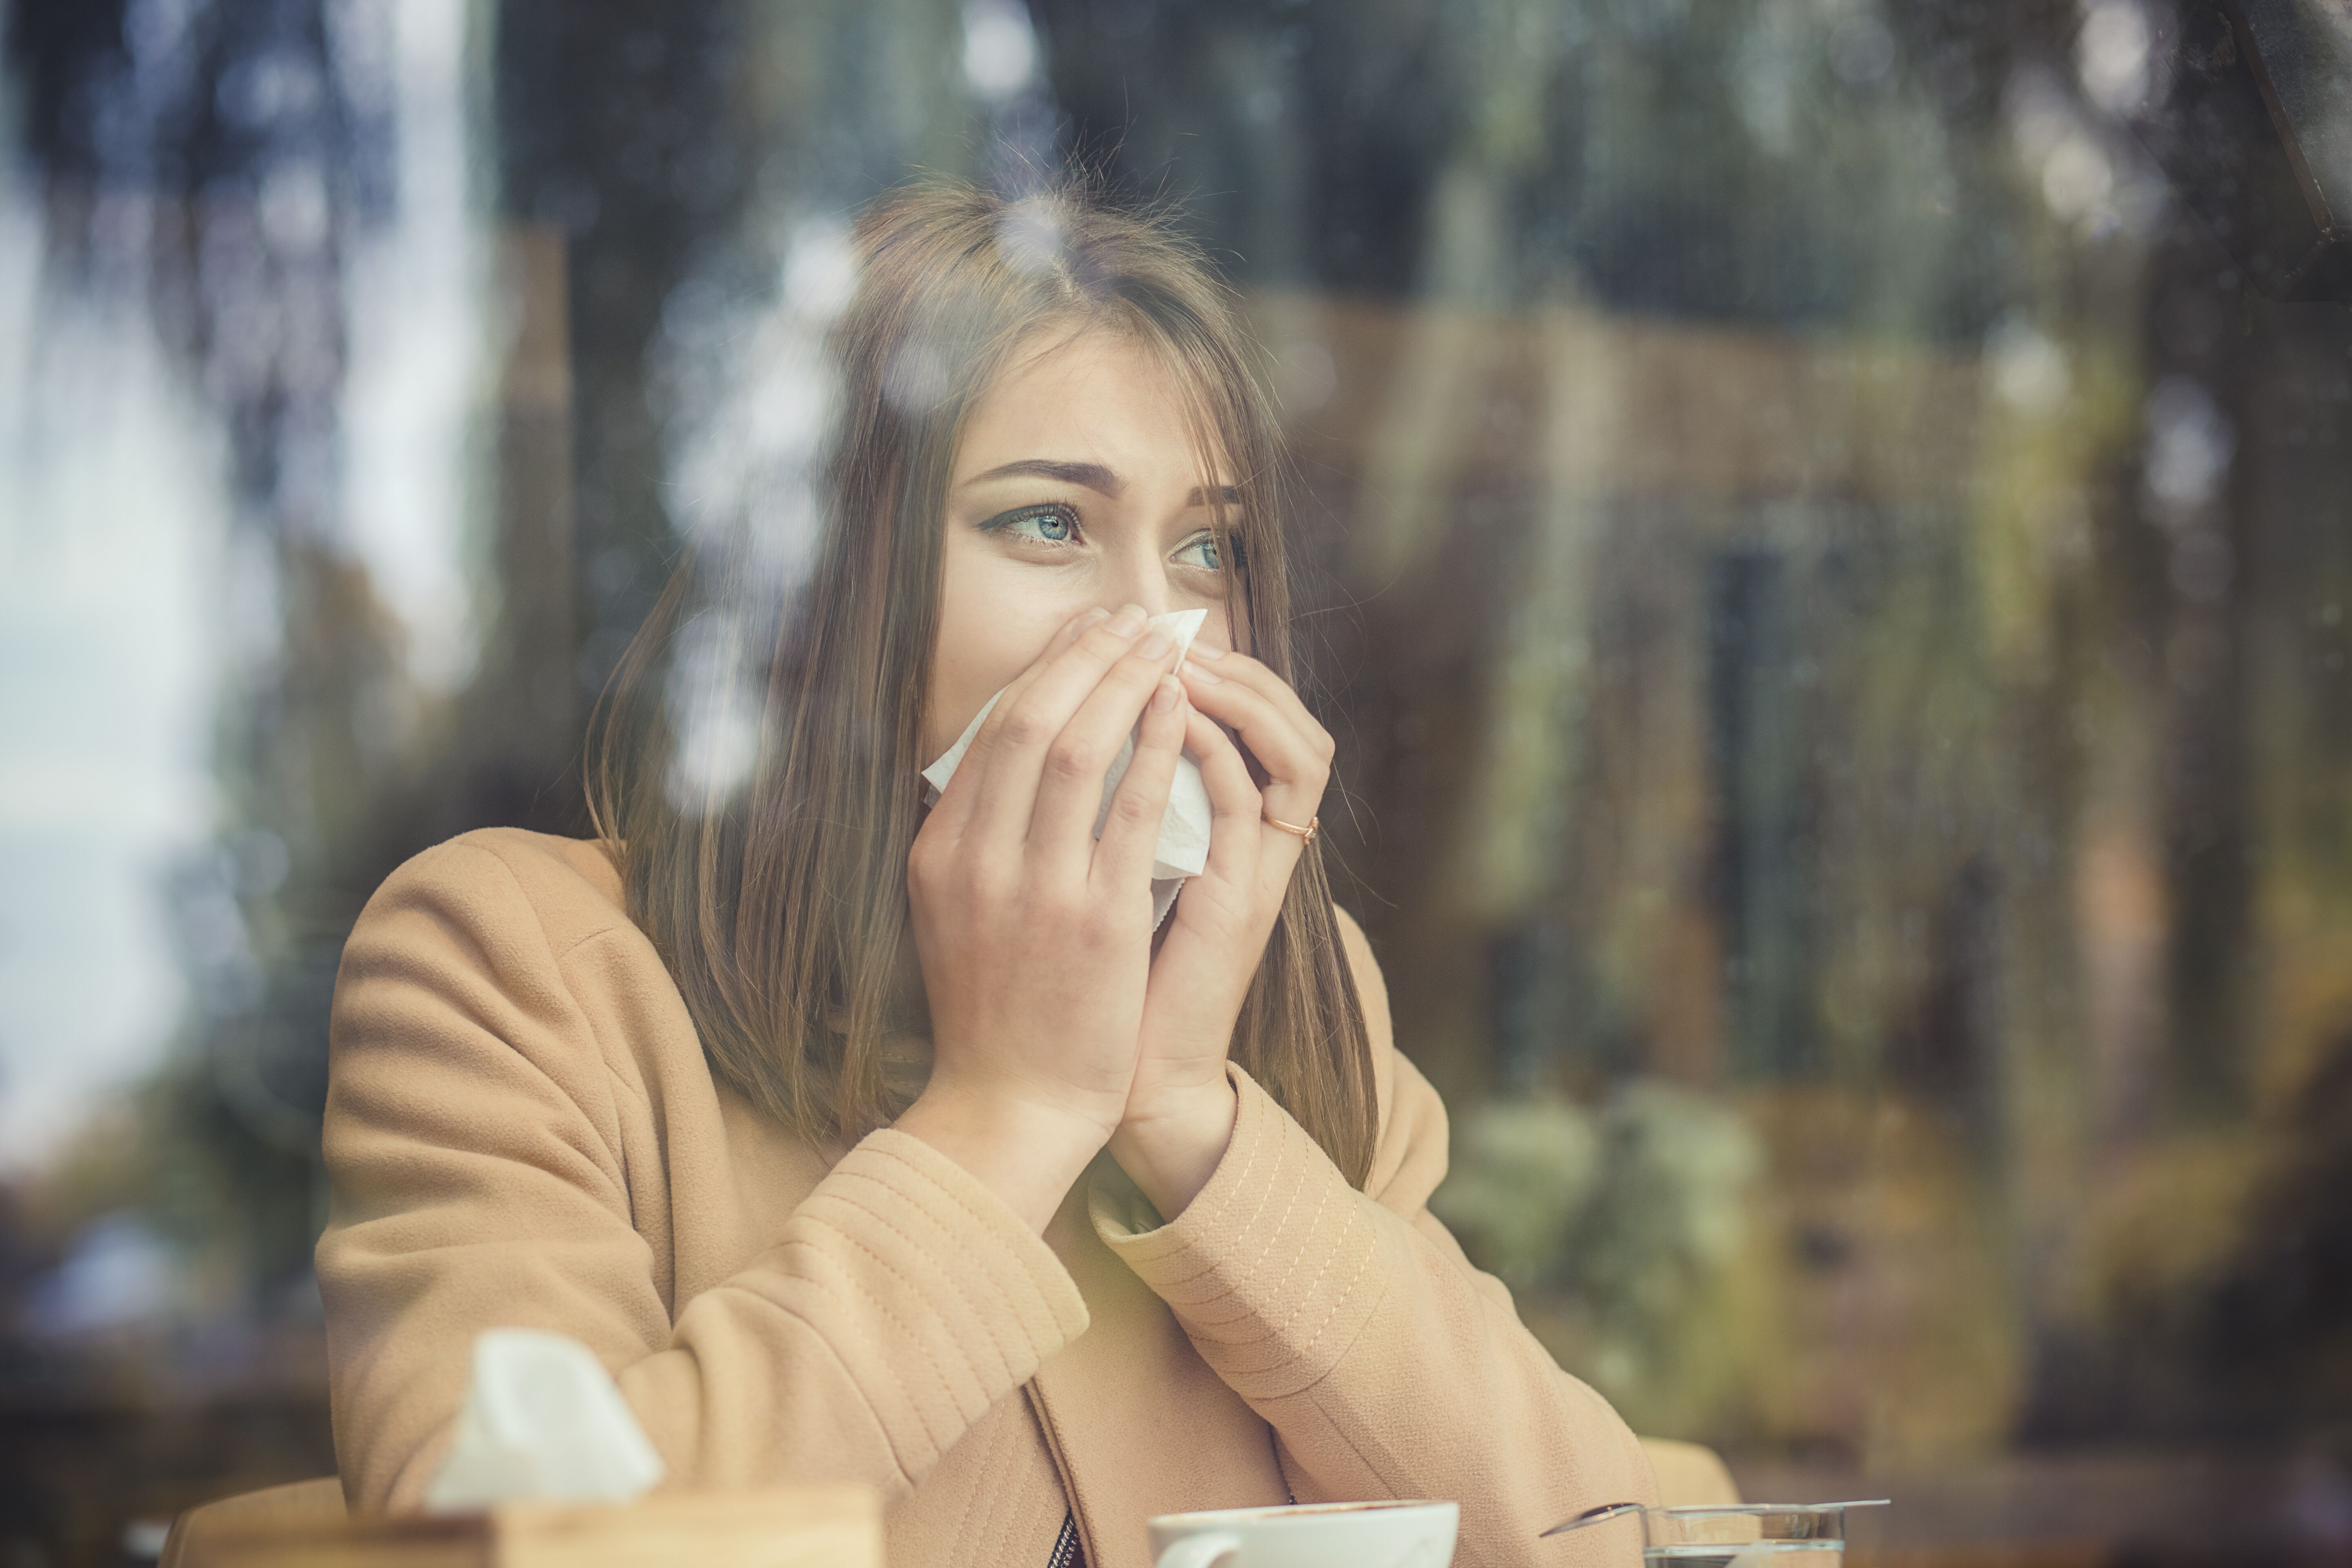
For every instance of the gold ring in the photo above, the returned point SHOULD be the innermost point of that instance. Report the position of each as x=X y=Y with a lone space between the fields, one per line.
x=1306 y=833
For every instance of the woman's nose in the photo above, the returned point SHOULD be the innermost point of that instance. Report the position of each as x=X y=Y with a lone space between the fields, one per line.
x=1142 y=582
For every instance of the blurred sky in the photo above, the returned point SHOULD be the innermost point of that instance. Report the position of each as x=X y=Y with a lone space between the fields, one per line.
x=113 y=517
x=124 y=601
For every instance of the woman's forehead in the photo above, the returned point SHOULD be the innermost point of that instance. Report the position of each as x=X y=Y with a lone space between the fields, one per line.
x=1099 y=397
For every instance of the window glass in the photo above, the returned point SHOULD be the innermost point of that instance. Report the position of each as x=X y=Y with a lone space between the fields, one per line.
x=1823 y=544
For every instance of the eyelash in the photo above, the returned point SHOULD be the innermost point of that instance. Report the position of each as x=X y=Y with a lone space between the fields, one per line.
x=1210 y=540
x=1062 y=514
x=1068 y=519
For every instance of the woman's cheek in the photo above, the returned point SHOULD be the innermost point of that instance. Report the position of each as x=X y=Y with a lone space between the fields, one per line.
x=979 y=654
x=963 y=676
x=1217 y=631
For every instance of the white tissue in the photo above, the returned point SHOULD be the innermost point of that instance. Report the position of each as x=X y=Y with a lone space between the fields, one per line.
x=543 y=1420
x=1183 y=848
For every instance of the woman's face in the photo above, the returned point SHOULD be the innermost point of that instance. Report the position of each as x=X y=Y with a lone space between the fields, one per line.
x=1074 y=487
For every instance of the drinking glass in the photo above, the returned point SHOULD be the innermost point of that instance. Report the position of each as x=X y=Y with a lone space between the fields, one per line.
x=1737 y=1535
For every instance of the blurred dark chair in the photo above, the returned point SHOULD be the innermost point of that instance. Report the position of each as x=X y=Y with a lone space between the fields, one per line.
x=196 y=1535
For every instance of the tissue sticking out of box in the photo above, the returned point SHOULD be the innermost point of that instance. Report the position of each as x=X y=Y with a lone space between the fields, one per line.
x=1183 y=848
x=543 y=1421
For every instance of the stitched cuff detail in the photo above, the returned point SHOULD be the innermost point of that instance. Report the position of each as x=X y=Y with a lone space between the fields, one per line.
x=1275 y=1268
x=938 y=1299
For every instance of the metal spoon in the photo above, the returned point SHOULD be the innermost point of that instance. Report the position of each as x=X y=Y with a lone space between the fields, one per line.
x=1591 y=1516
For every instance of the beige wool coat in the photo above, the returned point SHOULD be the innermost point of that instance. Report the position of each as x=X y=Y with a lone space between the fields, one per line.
x=522 y=1130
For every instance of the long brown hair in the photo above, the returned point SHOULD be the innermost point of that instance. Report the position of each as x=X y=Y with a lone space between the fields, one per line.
x=776 y=891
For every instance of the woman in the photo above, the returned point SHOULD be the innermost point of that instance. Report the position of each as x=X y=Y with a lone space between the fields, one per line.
x=867 y=1141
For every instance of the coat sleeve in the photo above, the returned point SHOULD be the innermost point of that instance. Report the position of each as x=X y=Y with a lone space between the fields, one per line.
x=478 y=1181
x=1350 y=1320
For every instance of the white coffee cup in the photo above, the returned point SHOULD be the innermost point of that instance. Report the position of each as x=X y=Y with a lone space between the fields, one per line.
x=1309 y=1535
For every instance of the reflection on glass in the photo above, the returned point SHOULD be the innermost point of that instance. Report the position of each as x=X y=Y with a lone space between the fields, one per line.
x=1831 y=586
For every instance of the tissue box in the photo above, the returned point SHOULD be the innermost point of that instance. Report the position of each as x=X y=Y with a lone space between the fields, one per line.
x=826 y=1527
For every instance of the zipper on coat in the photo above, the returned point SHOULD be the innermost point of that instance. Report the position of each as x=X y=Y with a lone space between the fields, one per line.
x=1067 y=1553
x=1076 y=1543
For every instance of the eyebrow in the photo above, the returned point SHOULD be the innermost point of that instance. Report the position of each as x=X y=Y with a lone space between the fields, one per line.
x=1093 y=477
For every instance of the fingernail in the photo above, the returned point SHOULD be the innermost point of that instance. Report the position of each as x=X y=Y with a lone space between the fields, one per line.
x=1165 y=698
x=1202 y=675
x=1202 y=651
x=1155 y=646
x=1129 y=621
x=1088 y=621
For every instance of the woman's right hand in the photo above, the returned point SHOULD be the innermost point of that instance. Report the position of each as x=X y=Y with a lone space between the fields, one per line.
x=1035 y=937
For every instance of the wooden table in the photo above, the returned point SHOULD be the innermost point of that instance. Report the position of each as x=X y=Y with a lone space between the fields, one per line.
x=828 y=1527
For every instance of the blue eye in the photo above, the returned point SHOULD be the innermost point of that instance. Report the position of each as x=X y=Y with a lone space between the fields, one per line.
x=1200 y=551
x=1051 y=524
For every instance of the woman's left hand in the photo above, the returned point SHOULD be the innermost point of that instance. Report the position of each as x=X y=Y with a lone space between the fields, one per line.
x=1180 y=1111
